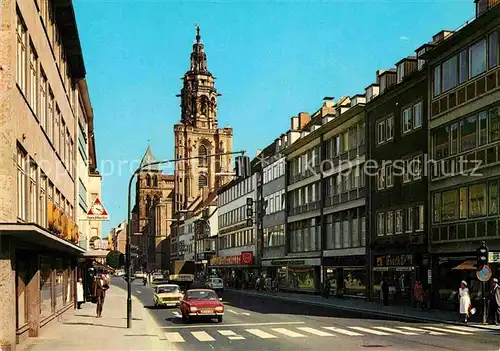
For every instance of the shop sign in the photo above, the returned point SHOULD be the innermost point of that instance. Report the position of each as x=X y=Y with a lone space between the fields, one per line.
x=493 y=257
x=288 y=262
x=244 y=258
x=394 y=260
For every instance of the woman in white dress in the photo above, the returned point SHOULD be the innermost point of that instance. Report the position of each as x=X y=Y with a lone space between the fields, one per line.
x=79 y=293
x=463 y=293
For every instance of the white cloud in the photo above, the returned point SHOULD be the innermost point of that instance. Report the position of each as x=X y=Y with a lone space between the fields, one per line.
x=403 y=37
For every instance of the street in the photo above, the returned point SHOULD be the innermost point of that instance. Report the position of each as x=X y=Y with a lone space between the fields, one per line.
x=254 y=323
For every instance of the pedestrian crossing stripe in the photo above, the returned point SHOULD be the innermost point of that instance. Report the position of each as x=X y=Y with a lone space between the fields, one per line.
x=302 y=332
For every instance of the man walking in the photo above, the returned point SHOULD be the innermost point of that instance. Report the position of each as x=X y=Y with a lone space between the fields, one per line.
x=495 y=301
x=100 y=287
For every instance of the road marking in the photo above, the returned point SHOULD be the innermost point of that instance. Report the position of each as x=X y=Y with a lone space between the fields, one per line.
x=202 y=336
x=174 y=337
x=422 y=330
x=392 y=330
x=343 y=331
x=177 y=314
x=458 y=327
x=315 y=331
x=447 y=330
x=289 y=333
x=369 y=331
x=245 y=313
x=261 y=334
x=233 y=325
x=233 y=312
x=231 y=335
x=138 y=291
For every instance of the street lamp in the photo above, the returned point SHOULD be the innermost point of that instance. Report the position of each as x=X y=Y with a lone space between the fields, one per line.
x=129 y=224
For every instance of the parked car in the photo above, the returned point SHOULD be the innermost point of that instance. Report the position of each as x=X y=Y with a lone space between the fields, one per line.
x=168 y=295
x=157 y=277
x=201 y=303
x=216 y=284
x=139 y=274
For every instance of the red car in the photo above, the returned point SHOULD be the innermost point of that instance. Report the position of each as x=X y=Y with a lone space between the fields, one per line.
x=201 y=303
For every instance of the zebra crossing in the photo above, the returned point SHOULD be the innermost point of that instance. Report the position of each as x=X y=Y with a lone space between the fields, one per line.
x=325 y=331
x=177 y=314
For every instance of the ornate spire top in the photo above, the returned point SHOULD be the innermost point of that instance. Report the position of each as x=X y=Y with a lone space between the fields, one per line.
x=198 y=56
x=198 y=37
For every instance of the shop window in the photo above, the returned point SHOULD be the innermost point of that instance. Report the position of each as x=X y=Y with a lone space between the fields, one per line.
x=477 y=58
x=493 y=198
x=46 y=305
x=22 y=273
x=449 y=205
x=463 y=203
x=59 y=284
x=355 y=281
x=477 y=200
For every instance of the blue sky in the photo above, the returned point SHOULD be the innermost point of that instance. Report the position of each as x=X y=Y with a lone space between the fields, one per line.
x=271 y=59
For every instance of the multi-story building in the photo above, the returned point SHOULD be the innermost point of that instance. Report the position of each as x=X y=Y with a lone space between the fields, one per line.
x=118 y=237
x=44 y=102
x=464 y=122
x=237 y=229
x=397 y=146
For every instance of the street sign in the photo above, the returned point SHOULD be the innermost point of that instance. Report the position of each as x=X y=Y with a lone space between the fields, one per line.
x=484 y=274
x=97 y=212
x=494 y=257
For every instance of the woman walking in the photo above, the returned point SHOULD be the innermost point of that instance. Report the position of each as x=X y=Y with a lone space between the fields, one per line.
x=465 y=303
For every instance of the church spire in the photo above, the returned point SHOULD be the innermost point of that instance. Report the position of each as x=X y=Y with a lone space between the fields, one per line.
x=198 y=56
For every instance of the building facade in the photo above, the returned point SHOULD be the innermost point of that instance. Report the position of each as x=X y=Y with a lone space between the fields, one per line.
x=118 y=237
x=464 y=91
x=44 y=103
x=397 y=137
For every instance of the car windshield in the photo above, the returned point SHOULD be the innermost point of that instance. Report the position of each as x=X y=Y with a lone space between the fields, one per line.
x=201 y=295
x=217 y=281
x=167 y=289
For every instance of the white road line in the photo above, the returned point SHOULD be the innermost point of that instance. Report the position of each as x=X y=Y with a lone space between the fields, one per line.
x=315 y=331
x=343 y=331
x=289 y=333
x=261 y=334
x=138 y=291
x=234 y=325
x=245 y=313
x=459 y=327
x=202 y=336
x=369 y=331
x=177 y=314
x=392 y=330
x=422 y=330
x=174 y=337
x=231 y=335
x=447 y=330
x=233 y=312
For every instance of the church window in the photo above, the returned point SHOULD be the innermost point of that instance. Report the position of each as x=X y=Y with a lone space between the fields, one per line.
x=202 y=153
x=148 y=180
x=155 y=181
x=202 y=181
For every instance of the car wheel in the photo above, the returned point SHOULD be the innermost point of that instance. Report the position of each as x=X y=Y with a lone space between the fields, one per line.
x=219 y=319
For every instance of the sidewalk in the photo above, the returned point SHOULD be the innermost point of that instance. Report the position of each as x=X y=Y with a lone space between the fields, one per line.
x=80 y=330
x=372 y=308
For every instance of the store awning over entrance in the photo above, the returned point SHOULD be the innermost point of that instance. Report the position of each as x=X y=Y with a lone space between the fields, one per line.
x=36 y=235
x=467 y=265
x=96 y=253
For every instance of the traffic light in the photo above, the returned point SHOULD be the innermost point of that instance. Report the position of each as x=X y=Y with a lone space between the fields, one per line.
x=243 y=168
x=482 y=255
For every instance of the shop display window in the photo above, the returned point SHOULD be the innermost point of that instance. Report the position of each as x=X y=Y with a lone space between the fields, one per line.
x=46 y=305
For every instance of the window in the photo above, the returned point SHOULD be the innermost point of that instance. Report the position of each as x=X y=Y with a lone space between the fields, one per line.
x=494 y=125
x=50 y=115
x=390 y=128
x=483 y=133
x=399 y=222
x=380 y=224
x=33 y=193
x=33 y=79
x=202 y=181
x=345 y=139
x=407 y=176
x=416 y=167
x=381 y=179
x=477 y=200
x=437 y=80
x=361 y=132
x=492 y=50
x=417 y=115
x=453 y=130
x=202 y=153
x=409 y=220
x=407 y=120
x=441 y=143
x=468 y=128
x=389 y=180
x=493 y=198
x=463 y=203
x=463 y=72
x=381 y=132
x=43 y=100
x=449 y=205
x=62 y=141
x=21 y=184
x=21 y=32
x=450 y=71
x=477 y=58
x=437 y=207
x=43 y=200
x=390 y=223
x=400 y=72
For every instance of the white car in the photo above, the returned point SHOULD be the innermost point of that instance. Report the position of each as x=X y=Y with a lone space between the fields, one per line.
x=216 y=284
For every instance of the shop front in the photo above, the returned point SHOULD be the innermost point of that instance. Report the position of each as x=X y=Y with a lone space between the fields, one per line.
x=347 y=275
x=297 y=274
x=235 y=270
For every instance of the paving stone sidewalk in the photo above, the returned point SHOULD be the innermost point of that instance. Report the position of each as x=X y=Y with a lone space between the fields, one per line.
x=373 y=308
x=80 y=330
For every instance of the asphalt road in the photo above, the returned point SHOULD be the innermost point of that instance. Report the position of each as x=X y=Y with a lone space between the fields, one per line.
x=254 y=323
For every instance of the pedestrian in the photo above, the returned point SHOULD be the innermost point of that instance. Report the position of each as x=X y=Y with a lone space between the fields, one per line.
x=418 y=294
x=463 y=293
x=495 y=301
x=79 y=293
x=100 y=287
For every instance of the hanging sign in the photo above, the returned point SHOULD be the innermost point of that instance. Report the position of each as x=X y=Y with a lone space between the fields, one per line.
x=97 y=212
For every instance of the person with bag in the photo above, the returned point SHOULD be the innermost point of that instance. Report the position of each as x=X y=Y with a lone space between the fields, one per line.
x=465 y=303
x=100 y=287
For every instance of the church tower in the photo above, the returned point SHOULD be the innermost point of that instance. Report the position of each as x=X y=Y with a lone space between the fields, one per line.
x=198 y=134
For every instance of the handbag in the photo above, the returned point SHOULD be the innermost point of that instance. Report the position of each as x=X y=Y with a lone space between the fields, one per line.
x=105 y=286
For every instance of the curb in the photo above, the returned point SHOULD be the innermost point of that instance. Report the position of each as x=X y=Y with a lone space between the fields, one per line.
x=353 y=309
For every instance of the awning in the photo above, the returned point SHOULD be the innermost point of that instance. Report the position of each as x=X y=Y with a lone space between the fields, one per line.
x=103 y=266
x=467 y=265
x=39 y=236
x=96 y=253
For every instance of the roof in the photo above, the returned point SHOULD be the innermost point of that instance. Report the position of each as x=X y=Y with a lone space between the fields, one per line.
x=147 y=159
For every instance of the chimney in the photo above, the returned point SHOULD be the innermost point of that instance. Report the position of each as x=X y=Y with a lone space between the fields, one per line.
x=358 y=99
x=304 y=118
x=294 y=123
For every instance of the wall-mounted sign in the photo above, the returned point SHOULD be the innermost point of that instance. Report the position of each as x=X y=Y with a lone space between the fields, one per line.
x=97 y=212
x=288 y=262
x=394 y=260
x=97 y=243
x=244 y=258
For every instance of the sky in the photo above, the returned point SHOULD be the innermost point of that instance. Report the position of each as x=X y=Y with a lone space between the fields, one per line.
x=271 y=60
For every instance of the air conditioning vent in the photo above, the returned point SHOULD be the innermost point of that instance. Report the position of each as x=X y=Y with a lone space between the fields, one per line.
x=435 y=108
x=491 y=81
x=452 y=100
x=443 y=104
x=471 y=91
x=481 y=86
x=461 y=96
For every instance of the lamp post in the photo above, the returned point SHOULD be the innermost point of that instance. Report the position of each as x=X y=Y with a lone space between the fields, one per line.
x=129 y=224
